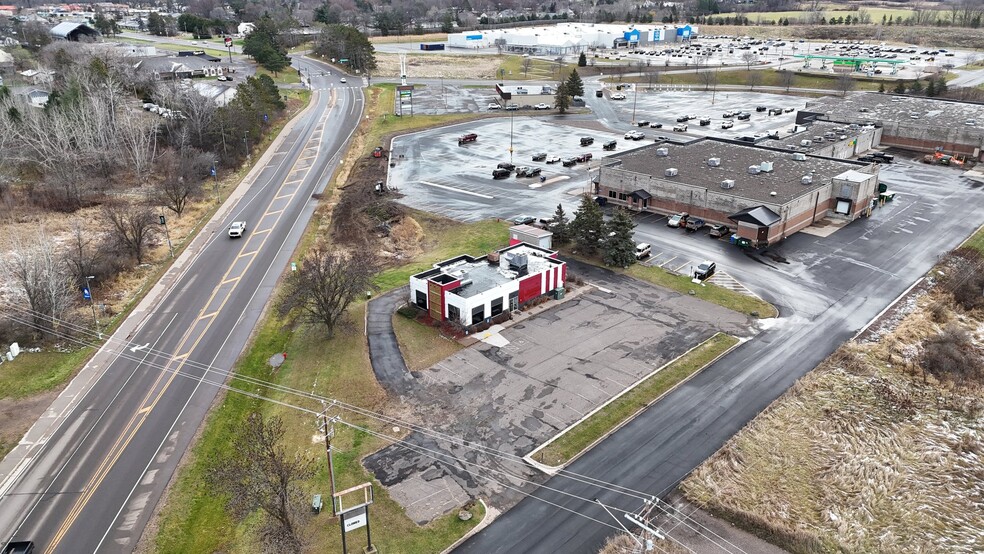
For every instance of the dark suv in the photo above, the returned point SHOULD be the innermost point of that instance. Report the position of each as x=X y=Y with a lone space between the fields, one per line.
x=587 y=141
x=610 y=145
x=705 y=270
x=506 y=165
x=500 y=173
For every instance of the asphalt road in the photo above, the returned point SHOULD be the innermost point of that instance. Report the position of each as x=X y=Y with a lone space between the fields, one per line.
x=826 y=288
x=91 y=484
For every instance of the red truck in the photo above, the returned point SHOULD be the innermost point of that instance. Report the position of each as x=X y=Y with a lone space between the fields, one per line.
x=470 y=137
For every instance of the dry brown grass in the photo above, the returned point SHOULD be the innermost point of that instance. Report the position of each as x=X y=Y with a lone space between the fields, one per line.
x=435 y=66
x=861 y=454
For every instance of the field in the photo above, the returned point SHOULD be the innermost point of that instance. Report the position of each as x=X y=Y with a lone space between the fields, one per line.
x=867 y=453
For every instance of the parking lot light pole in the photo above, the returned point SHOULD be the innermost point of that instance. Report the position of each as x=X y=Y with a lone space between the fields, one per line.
x=510 y=137
x=635 y=99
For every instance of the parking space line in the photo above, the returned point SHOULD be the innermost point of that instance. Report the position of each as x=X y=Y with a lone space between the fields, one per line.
x=454 y=189
x=667 y=261
x=685 y=264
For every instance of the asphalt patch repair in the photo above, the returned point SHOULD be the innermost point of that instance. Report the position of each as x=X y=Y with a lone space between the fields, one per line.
x=492 y=405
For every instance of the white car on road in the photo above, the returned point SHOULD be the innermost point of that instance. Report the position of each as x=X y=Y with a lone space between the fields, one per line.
x=237 y=229
x=618 y=96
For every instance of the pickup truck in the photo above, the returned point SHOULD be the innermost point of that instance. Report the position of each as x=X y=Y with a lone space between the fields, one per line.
x=237 y=229
x=470 y=137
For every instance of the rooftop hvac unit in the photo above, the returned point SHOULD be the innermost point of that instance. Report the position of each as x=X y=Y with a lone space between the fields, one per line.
x=728 y=184
x=799 y=156
x=766 y=167
x=671 y=172
x=754 y=170
x=806 y=180
x=806 y=142
x=713 y=162
x=662 y=152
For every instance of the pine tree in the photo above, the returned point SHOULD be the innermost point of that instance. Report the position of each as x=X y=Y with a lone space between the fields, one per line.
x=899 y=87
x=562 y=99
x=931 y=88
x=560 y=226
x=587 y=225
x=575 y=86
x=618 y=245
x=941 y=87
x=881 y=88
x=582 y=60
x=917 y=87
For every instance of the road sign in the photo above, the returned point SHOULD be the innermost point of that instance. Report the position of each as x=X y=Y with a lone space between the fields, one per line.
x=293 y=266
x=163 y=221
x=228 y=42
x=354 y=520
x=86 y=294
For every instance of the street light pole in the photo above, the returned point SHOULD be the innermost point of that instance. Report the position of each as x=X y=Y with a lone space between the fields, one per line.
x=92 y=302
x=635 y=99
x=510 y=137
x=246 y=142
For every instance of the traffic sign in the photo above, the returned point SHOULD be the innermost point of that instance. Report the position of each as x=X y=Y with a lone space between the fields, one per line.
x=228 y=42
x=86 y=294
x=163 y=221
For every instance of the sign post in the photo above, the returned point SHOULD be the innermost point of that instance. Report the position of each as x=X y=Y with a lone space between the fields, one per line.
x=355 y=517
x=405 y=92
x=228 y=45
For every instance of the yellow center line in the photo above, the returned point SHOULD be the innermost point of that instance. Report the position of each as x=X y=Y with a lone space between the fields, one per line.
x=273 y=213
x=206 y=316
x=140 y=416
x=250 y=253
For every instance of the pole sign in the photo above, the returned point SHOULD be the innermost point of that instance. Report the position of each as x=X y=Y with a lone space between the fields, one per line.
x=163 y=221
x=86 y=295
x=228 y=42
x=354 y=520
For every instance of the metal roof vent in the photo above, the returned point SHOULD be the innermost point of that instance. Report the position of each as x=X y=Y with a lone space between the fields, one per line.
x=671 y=172
x=662 y=152
x=713 y=162
x=806 y=180
x=766 y=167
x=754 y=170
x=799 y=156
x=773 y=193
x=728 y=184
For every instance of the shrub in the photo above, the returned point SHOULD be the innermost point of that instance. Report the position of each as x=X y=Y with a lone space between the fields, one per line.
x=951 y=356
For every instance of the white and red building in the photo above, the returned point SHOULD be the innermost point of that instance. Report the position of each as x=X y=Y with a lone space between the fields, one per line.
x=468 y=290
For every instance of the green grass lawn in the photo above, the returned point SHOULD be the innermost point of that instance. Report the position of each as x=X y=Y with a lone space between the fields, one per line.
x=620 y=410
x=721 y=296
x=35 y=372
x=288 y=76
x=976 y=241
x=422 y=345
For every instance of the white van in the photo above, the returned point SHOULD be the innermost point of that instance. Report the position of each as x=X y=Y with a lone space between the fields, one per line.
x=643 y=251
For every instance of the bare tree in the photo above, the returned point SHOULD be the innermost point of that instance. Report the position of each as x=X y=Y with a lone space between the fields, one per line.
x=138 y=140
x=183 y=172
x=327 y=282
x=83 y=255
x=133 y=226
x=37 y=273
x=258 y=473
x=786 y=78
x=709 y=78
x=527 y=61
x=749 y=58
x=754 y=79
x=845 y=83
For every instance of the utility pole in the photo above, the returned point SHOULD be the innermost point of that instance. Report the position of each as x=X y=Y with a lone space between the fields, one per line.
x=167 y=233
x=328 y=428
x=215 y=177
x=246 y=142
x=92 y=302
x=635 y=99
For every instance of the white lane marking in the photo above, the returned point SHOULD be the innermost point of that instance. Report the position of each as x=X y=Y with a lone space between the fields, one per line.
x=453 y=189
x=138 y=348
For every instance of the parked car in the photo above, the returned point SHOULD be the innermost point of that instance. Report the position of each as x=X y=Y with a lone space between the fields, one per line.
x=643 y=251
x=494 y=106
x=599 y=94
x=728 y=114
x=775 y=111
x=539 y=156
x=694 y=224
x=468 y=137
x=643 y=123
x=552 y=159
x=610 y=145
x=744 y=116
x=705 y=270
x=718 y=231
x=568 y=162
x=522 y=220
x=506 y=165
x=682 y=119
x=677 y=220
x=889 y=158
x=343 y=80
x=787 y=110
x=584 y=158
x=541 y=106
x=655 y=125
x=634 y=135
x=761 y=108
x=680 y=127
x=868 y=159
x=660 y=138
x=587 y=141
x=705 y=122
x=727 y=124
x=237 y=229
x=499 y=173
x=527 y=171
x=618 y=96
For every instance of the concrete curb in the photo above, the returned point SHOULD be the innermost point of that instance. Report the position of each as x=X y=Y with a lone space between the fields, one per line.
x=490 y=515
x=553 y=470
x=75 y=391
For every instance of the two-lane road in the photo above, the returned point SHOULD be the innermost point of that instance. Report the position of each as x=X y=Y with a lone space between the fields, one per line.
x=95 y=480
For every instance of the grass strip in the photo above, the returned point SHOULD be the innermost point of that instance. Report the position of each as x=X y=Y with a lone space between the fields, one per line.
x=743 y=303
x=976 y=241
x=622 y=409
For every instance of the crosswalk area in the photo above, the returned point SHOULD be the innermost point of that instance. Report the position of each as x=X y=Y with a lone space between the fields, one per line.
x=722 y=279
x=684 y=265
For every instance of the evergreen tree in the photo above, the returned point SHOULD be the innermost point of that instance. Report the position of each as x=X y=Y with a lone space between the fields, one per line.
x=582 y=60
x=575 y=86
x=560 y=226
x=899 y=87
x=917 y=87
x=881 y=88
x=941 y=87
x=263 y=45
x=562 y=99
x=587 y=226
x=618 y=245
x=931 y=88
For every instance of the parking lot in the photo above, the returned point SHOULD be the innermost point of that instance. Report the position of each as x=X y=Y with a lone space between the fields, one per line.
x=553 y=368
x=435 y=174
x=445 y=98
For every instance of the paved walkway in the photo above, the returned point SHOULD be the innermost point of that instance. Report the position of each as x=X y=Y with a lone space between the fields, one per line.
x=384 y=351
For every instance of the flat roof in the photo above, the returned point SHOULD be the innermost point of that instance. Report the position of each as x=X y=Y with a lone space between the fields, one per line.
x=531 y=231
x=874 y=107
x=480 y=275
x=793 y=141
x=690 y=161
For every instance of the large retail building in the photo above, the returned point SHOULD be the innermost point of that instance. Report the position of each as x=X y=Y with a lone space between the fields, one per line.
x=567 y=38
